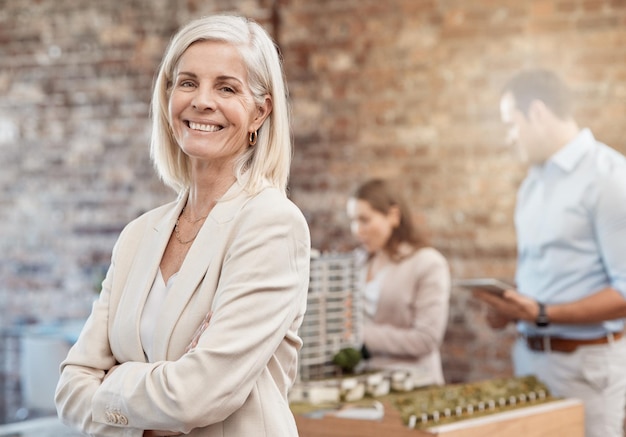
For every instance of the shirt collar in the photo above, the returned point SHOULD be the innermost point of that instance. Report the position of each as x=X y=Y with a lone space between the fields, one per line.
x=568 y=157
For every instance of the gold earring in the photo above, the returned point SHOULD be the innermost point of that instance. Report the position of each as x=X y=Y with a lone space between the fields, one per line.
x=252 y=138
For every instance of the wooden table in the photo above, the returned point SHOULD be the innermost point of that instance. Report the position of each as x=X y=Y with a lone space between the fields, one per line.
x=329 y=426
x=559 y=417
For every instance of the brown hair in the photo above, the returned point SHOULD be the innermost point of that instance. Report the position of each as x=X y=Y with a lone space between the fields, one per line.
x=539 y=84
x=381 y=197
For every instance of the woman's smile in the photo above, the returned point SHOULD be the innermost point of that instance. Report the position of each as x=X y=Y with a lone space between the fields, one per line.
x=204 y=127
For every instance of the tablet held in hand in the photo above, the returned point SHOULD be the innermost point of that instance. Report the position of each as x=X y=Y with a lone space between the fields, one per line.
x=492 y=285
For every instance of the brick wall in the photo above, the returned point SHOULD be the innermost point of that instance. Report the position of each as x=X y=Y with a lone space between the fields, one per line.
x=402 y=88
x=410 y=90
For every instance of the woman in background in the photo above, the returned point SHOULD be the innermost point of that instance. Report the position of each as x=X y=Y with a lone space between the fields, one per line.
x=406 y=285
x=195 y=330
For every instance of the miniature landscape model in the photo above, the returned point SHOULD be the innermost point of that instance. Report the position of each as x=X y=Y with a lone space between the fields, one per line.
x=333 y=375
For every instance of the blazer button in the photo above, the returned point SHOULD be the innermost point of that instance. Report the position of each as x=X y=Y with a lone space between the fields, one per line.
x=122 y=420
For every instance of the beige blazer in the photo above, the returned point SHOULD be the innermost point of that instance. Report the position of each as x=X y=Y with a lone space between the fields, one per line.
x=249 y=265
x=412 y=315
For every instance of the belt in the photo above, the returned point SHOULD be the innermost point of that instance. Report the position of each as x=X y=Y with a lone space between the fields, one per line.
x=567 y=345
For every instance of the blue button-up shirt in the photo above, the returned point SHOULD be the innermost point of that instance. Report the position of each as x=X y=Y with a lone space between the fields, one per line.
x=570 y=220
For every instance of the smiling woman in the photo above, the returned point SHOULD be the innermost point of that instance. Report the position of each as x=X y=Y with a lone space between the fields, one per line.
x=212 y=109
x=249 y=69
x=214 y=284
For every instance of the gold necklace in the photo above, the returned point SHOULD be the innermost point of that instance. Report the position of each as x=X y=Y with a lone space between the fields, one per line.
x=182 y=214
x=177 y=234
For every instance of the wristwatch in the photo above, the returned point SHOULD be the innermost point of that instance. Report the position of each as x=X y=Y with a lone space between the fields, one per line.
x=542 y=319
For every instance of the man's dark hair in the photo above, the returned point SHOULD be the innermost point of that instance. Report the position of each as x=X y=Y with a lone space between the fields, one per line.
x=540 y=84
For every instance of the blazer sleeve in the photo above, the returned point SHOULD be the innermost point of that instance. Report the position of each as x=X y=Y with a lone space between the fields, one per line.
x=261 y=293
x=88 y=362
x=428 y=285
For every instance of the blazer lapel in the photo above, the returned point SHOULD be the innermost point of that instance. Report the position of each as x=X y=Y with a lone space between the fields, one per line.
x=140 y=279
x=209 y=240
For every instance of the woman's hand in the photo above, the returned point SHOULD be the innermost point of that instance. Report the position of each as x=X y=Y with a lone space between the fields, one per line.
x=198 y=333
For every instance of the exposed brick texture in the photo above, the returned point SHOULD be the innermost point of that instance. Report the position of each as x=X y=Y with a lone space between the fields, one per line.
x=406 y=89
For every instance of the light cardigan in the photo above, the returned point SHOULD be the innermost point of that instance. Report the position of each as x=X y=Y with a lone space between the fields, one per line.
x=412 y=314
x=249 y=265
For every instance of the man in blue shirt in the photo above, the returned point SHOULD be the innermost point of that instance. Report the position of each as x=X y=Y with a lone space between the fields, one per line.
x=570 y=221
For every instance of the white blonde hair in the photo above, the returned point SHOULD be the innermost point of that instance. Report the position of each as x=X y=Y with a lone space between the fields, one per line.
x=268 y=162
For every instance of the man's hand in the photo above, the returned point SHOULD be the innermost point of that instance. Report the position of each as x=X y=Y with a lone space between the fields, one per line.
x=511 y=306
x=497 y=320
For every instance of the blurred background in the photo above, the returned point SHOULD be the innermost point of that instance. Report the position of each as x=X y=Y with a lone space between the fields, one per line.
x=401 y=89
